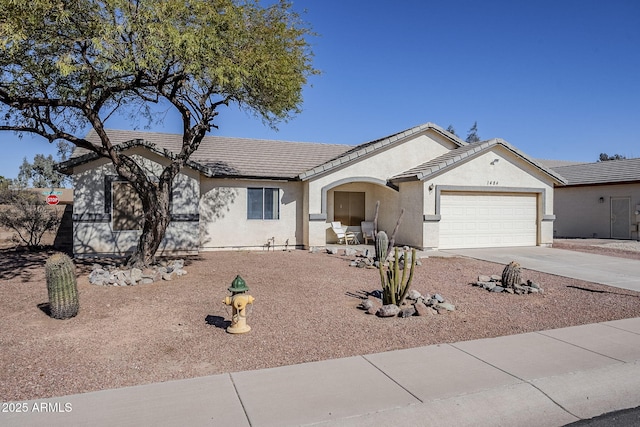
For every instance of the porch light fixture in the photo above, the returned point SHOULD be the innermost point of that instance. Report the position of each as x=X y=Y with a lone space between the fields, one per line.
x=430 y=187
x=601 y=200
x=495 y=161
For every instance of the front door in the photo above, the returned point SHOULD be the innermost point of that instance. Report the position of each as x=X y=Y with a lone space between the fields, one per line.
x=620 y=217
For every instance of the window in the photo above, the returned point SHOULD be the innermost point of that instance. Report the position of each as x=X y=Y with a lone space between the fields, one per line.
x=348 y=207
x=127 y=213
x=263 y=203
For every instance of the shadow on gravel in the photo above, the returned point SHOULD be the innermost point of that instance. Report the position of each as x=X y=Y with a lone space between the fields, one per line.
x=21 y=263
x=598 y=291
x=217 y=321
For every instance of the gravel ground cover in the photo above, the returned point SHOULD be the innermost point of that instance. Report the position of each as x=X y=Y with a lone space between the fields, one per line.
x=305 y=310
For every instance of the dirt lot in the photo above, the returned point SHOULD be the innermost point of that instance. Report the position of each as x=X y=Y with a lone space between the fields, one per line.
x=305 y=310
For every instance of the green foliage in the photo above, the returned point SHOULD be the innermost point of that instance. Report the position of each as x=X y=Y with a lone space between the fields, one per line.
x=382 y=246
x=41 y=173
x=69 y=66
x=472 y=134
x=4 y=185
x=394 y=285
x=451 y=130
x=62 y=286
x=27 y=214
x=605 y=157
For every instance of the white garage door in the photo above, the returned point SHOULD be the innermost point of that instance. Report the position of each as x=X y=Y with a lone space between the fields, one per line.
x=471 y=220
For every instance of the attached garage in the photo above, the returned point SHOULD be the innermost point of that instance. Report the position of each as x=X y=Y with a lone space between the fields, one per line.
x=484 y=220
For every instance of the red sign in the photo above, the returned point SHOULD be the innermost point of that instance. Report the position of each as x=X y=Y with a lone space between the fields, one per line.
x=53 y=199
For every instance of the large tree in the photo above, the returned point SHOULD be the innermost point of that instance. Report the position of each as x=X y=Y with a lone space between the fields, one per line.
x=67 y=66
x=472 y=134
x=41 y=172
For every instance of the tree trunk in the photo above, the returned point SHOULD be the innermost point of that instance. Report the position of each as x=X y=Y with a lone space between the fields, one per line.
x=155 y=204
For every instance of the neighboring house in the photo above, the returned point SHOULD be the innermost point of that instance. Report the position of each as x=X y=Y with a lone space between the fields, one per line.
x=600 y=200
x=240 y=193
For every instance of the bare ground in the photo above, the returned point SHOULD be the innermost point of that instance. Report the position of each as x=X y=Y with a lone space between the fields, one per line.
x=305 y=310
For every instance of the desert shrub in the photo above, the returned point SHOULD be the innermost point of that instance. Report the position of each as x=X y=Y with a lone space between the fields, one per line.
x=25 y=213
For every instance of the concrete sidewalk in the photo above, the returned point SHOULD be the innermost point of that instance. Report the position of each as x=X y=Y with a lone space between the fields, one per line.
x=607 y=270
x=547 y=378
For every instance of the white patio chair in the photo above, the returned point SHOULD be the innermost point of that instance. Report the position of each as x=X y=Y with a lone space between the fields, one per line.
x=344 y=236
x=367 y=231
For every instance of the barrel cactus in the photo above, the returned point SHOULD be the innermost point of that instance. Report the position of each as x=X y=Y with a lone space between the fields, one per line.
x=62 y=286
x=382 y=246
x=511 y=275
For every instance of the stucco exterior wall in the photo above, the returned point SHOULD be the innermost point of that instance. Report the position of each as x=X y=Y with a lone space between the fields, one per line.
x=93 y=228
x=223 y=215
x=484 y=174
x=411 y=229
x=387 y=214
x=374 y=169
x=580 y=213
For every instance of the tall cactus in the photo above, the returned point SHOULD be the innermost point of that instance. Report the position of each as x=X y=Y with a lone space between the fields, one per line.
x=382 y=246
x=394 y=286
x=62 y=286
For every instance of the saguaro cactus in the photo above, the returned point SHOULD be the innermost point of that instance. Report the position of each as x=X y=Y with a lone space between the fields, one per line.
x=62 y=286
x=394 y=286
x=511 y=275
x=382 y=246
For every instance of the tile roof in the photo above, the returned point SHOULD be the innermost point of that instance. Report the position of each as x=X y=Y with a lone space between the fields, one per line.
x=454 y=157
x=368 y=147
x=550 y=163
x=610 y=171
x=230 y=157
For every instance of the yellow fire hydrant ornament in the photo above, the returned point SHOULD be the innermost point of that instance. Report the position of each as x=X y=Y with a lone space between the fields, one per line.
x=238 y=301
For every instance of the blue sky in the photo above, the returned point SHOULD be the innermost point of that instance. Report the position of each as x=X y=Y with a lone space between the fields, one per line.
x=558 y=79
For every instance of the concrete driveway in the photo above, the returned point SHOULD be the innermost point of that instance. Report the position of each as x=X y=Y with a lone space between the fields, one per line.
x=607 y=270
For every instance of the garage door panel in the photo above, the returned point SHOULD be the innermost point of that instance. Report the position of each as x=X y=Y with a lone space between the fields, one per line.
x=481 y=220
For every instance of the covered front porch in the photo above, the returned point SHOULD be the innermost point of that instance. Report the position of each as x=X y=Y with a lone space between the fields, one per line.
x=352 y=203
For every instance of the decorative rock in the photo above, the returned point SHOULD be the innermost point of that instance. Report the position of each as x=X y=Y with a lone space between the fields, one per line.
x=421 y=309
x=350 y=252
x=366 y=304
x=146 y=281
x=489 y=285
x=445 y=306
x=389 y=310
x=407 y=311
x=484 y=279
x=533 y=284
x=98 y=276
x=413 y=295
x=497 y=289
x=376 y=294
x=332 y=251
x=353 y=264
x=438 y=298
x=509 y=290
x=496 y=278
x=136 y=274
x=373 y=310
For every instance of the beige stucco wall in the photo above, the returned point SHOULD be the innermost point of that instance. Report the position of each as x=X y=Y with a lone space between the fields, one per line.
x=387 y=214
x=375 y=169
x=223 y=215
x=484 y=174
x=579 y=212
x=98 y=237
